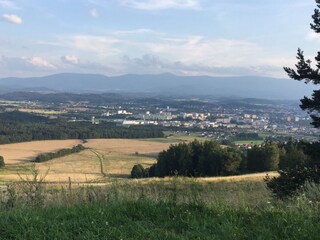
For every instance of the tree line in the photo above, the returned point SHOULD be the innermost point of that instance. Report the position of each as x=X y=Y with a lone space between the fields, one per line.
x=17 y=131
x=60 y=153
x=205 y=159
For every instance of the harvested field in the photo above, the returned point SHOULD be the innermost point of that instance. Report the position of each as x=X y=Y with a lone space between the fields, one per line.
x=26 y=151
x=127 y=146
x=119 y=157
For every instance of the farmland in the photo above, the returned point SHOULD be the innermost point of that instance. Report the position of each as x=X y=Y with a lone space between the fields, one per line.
x=76 y=196
x=119 y=157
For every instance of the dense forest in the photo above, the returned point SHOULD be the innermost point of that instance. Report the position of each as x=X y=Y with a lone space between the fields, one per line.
x=28 y=127
x=12 y=131
x=197 y=159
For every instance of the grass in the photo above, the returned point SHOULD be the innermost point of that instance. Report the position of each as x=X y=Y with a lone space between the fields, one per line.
x=163 y=140
x=255 y=142
x=178 y=208
x=114 y=207
x=177 y=137
x=42 y=111
x=169 y=208
x=148 y=220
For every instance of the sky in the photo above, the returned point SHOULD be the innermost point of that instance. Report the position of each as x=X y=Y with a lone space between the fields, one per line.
x=183 y=37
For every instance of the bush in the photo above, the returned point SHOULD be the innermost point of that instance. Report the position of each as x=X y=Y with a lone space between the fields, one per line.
x=311 y=192
x=138 y=171
x=2 y=164
x=291 y=181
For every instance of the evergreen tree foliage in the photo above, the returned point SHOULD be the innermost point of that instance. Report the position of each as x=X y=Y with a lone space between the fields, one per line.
x=138 y=171
x=18 y=131
x=304 y=71
x=197 y=159
x=293 y=155
x=301 y=161
x=264 y=158
x=292 y=180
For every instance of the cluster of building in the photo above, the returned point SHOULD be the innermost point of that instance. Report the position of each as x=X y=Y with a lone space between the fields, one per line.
x=217 y=119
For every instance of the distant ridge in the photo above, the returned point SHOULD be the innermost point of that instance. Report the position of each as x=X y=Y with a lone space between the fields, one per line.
x=167 y=83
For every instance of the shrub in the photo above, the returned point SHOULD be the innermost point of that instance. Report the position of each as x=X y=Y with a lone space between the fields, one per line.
x=292 y=180
x=2 y=164
x=311 y=191
x=138 y=171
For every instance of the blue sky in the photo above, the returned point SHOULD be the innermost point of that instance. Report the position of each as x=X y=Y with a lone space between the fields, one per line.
x=184 y=37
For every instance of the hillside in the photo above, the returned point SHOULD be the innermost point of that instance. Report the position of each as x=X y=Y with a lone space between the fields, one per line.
x=252 y=87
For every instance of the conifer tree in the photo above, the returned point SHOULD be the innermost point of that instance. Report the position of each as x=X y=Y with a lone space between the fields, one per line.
x=305 y=72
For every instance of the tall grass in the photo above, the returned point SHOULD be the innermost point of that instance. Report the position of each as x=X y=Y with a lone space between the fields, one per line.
x=175 y=208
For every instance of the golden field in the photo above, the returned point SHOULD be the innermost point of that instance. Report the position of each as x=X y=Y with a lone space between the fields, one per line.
x=119 y=156
x=26 y=151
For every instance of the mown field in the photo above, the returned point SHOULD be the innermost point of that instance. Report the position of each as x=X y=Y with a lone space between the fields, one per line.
x=119 y=156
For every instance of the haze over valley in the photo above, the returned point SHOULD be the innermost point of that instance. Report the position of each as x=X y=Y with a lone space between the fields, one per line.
x=236 y=87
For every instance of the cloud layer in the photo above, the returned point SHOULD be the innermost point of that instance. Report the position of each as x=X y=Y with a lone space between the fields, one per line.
x=148 y=51
x=8 y=4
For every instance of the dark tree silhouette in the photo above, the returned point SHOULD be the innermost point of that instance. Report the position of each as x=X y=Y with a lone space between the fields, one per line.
x=304 y=71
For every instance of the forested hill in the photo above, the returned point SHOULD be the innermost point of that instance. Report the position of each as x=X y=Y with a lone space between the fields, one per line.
x=63 y=97
x=18 y=116
x=250 y=86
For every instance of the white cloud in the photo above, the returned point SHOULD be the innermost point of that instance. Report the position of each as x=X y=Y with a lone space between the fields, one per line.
x=148 y=51
x=150 y=64
x=40 y=62
x=100 y=45
x=12 y=63
x=194 y=55
x=161 y=4
x=311 y=36
x=94 y=13
x=25 y=66
x=70 y=59
x=135 y=31
x=12 y=18
x=8 y=4
x=200 y=50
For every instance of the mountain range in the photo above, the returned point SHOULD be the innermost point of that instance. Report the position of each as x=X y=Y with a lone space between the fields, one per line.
x=246 y=87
